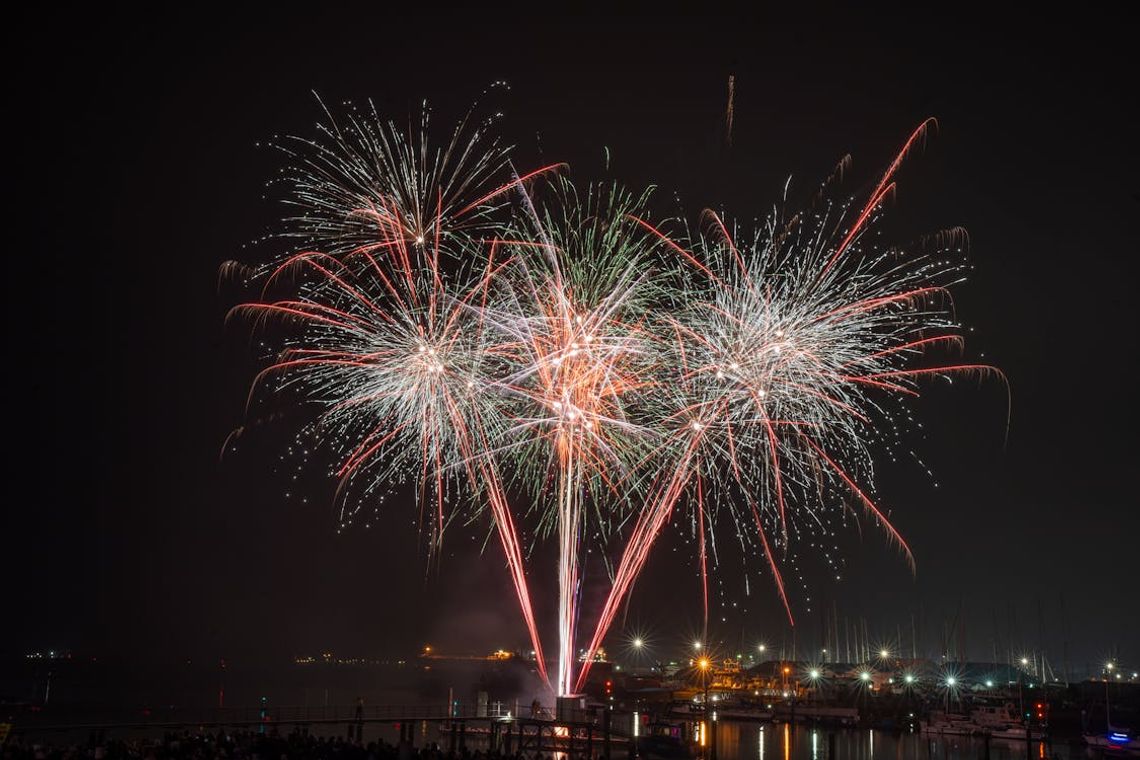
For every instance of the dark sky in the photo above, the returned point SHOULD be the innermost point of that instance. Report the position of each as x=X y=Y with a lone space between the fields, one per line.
x=137 y=173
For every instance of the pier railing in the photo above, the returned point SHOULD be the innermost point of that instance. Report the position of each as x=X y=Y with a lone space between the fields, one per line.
x=288 y=717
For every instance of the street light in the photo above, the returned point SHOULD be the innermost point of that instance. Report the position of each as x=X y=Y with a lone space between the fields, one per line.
x=908 y=678
x=762 y=648
x=814 y=675
x=704 y=665
x=637 y=643
x=950 y=681
x=1107 y=702
x=697 y=644
x=865 y=676
x=884 y=654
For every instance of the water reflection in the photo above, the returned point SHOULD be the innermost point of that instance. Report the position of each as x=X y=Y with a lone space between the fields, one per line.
x=752 y=740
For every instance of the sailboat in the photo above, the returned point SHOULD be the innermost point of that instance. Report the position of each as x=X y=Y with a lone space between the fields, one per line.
x=1116 y=738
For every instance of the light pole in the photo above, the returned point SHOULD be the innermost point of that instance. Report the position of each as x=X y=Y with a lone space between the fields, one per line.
x=704 y=664
x=1108 y=666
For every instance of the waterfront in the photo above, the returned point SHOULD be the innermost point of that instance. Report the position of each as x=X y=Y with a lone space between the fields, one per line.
x=783 y=742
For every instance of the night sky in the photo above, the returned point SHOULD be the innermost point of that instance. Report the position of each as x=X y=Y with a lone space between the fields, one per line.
x=138 y=173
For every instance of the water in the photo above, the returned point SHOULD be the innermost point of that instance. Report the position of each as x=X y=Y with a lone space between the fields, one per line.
x=758 y=741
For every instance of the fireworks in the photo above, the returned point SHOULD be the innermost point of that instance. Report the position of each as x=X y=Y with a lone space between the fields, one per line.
x=565 y=342
x=569 y=330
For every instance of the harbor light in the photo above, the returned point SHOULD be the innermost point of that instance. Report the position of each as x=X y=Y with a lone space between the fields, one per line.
x=814 y=674
x=762 y=647
x=696 y=645
x=950 y=681
x=1024 y=660
x=637 y=643
x=1109 y=666
x=703 y=663
x=865 y=676
x=908 y=678
x=989 y=684
x=884 y=653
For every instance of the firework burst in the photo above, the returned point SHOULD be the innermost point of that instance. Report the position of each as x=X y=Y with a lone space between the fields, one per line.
x=566 y=344
x=785 y=371
x=570 y=328
x=365 y=182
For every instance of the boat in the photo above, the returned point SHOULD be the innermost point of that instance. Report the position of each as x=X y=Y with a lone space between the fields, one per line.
x=1115 y=739
x=663 y=739
x=999 y=722
x=949 y=724
x=1010 y=733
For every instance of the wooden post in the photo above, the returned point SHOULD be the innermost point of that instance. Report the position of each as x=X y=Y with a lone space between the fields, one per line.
x=712 y=737
x=606 y=734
